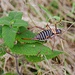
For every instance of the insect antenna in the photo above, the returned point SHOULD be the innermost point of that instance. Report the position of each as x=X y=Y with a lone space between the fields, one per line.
x=64 y=31
x=57 y=23
x=67 y=28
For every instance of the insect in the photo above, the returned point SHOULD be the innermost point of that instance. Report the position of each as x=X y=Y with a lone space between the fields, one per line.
x=46 y=34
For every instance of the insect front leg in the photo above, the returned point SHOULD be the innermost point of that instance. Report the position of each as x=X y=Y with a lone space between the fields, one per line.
x=57 y=23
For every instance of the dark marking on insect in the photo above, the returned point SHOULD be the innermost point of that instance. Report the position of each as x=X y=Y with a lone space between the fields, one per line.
x=44 y=35
x=58 y=31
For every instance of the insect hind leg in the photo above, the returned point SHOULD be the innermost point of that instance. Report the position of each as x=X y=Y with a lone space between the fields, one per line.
x=37 y=27
x=53 y=44
x=48 y=27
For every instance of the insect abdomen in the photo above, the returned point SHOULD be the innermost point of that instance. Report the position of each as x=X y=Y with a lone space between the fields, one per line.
x=44 y=34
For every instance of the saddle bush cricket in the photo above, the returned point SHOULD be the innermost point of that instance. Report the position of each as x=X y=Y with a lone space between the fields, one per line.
x=48 y=33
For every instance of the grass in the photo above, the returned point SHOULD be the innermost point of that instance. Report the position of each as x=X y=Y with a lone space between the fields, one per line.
x=36 y=14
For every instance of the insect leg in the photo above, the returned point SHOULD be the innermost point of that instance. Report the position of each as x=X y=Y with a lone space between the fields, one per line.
x=57 y=23
x=48 y=26
x=53 y=43
x=37 y=27
x=60 y=37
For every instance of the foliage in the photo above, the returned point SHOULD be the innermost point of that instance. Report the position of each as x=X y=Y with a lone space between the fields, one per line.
x=9 y=35
x=2 y=50
x=54 y=4
x=12 y=30
x=0 y=31
x=9 y=73
x=41 y=57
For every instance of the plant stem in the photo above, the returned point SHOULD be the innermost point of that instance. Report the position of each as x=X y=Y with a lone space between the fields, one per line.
x=16 y=62
x=10 y=54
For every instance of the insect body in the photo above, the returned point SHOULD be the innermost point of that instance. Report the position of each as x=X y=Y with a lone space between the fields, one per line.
x=44 y=35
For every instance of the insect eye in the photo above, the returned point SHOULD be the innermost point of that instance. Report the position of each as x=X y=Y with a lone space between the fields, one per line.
x=58 y=31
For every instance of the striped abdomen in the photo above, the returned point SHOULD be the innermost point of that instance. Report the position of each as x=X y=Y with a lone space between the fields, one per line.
x=44 y=34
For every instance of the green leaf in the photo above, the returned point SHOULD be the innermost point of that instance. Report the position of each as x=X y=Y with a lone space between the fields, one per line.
x=54 y=4
x=19 y=23
x=10 y=73
x=5 y=21
x=9 y=34
x=57 y=18
x=41 y=57
x=25 y=33
x=2 y=50
x=0 y=31
x=15 y=15
x=14 y=19
x=46 y=11
x=73 y=7
x=31 y=49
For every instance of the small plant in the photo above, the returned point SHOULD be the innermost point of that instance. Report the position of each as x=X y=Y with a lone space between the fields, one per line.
x=12 y=30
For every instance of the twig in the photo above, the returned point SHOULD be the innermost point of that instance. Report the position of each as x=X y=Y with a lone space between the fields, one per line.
x=10 y=54
x=16 y=62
